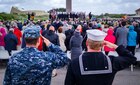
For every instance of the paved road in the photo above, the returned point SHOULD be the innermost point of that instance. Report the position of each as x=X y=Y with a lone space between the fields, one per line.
x=125 y=77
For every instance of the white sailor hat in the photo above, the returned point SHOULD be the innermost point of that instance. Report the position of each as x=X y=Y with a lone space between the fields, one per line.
x=96 y=35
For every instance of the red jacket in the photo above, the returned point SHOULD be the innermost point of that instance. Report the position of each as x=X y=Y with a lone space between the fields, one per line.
x=18 y=34
x=111 y=38
x=40 y=47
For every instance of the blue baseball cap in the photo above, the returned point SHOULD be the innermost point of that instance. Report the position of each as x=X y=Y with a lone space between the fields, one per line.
x=32 y=32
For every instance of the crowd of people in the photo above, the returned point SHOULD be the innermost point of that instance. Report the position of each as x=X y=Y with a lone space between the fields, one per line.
x=65 y=16
x=70 y=35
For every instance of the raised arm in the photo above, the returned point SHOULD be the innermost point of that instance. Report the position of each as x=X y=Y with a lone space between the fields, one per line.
x=125 y=58
x=57 y=56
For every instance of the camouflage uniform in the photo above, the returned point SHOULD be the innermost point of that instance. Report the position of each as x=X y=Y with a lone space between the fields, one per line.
x=33 y=67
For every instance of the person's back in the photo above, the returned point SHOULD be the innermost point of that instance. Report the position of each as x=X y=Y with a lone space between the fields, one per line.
x=52 y=37
x=69 y=34
x=76 y=44
x=111 y=38
x=31 y=66
x=62 y=38
x=93 y=67
x=27 y=62
x=2 y=35
x=98 y=63
x=19 y=24
x=121 y=36
x=76 y=39
x=18 y=34
x=132 y=37
x=11 y=41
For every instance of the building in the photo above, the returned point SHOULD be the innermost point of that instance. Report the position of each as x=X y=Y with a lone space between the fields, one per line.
x=137 y=16
x=15 y=10
x=138 y=11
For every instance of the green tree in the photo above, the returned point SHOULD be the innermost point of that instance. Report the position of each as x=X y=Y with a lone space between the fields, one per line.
x=58 y=10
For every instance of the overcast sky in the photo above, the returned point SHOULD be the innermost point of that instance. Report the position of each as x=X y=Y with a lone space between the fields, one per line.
x=94 y=6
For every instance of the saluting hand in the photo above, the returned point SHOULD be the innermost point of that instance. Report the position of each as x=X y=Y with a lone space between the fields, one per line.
x=110 y=45
x=46 y=41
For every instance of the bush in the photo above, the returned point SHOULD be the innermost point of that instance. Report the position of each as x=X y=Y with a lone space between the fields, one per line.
x=1 y=18
x=5 y=16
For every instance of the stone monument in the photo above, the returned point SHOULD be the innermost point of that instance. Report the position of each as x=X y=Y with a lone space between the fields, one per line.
x=68 y=6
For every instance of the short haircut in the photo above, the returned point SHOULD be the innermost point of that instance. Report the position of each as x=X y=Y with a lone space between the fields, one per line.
x=31 y=41
x=60 y=29
x=95 y=45
x=123 y=23
x=90 y=24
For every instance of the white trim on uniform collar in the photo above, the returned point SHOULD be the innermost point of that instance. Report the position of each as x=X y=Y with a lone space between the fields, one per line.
x=83 y=72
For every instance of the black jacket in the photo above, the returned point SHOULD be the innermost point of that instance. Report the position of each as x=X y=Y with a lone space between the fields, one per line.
x=96 y=68
x=69 y=33
x=52 y=37
x=10 y=41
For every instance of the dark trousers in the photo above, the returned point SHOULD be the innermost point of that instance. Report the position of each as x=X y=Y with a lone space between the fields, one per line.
x=131 y=49
x=138 y=40
x=106 y=52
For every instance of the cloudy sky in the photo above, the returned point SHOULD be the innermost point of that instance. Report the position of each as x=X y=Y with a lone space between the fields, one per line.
x=94 y=6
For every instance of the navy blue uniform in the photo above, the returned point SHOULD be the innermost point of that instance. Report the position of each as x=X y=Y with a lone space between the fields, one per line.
x=94 y=68
x=33 y=67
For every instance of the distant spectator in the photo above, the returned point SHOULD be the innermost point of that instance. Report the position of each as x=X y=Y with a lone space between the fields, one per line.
x=18 y=34
x=69 y=34
x=62 y=38
x=90 y=26
x=121 y=35
x=85 y=28
x=99 y=26
x=19 y=24
x=137 y=29
x=90 y=16
x=132 y=39
x=105 y=28
x=76 y=43
x=2 y=35
x=11 y=41
x=52 y=36
x=110 y=38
